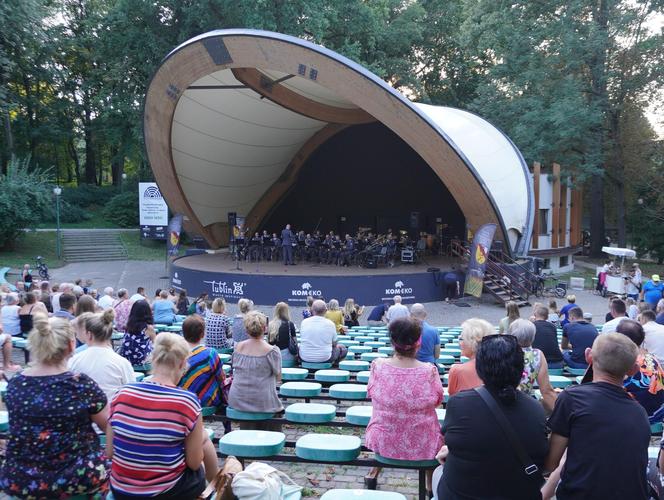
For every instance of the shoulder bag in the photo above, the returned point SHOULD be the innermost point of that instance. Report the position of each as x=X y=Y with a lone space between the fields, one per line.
x=529 y=468
x=293 y=347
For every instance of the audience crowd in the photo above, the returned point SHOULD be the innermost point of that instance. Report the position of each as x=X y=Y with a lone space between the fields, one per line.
x=507 y=433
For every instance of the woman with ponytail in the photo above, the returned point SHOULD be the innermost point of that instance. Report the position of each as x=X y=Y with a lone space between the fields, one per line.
x=99 y=362
x=404 y=394
x=479 y=461
x=53 y=450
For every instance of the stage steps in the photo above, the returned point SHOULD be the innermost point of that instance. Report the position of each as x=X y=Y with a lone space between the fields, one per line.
x=92 y=245
x=501 y=282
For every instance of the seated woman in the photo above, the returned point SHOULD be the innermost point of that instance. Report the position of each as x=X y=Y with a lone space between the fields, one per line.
x=464 y=376
x=218 y=326
x=137 y=342
x=647 y=384
x=479 y=462
x=256 y=371
x=335 y=315
x=182 y=303
x=535 y=365
x=404 y=393
x=122 y=308
x=147 y=417
x=282 y=330
x=99 y=361
x=205 y=375
x=163 y=309
x=238 y=331
x=30 y=306
x=352 y=313
x=53 y=450
x=86 y=304
x=513 y=313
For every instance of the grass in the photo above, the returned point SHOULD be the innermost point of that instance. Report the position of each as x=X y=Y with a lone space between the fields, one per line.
x=29 y=246
x=138 y=249
x=95 y=222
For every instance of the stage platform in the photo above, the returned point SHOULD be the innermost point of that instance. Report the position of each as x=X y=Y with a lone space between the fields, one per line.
x=269 y=282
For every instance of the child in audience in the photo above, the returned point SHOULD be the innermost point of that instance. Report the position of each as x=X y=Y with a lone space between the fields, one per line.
x=155 y=436
x=99 y=362
x=53 y=450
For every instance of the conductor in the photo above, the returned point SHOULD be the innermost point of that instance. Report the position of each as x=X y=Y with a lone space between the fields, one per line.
x=287 y=242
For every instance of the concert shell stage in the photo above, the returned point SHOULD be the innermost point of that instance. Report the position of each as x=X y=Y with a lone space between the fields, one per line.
x=234 y=118
x=269 y=282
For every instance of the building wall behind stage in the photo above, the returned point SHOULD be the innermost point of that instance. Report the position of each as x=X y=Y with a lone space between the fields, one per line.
x=369 y=176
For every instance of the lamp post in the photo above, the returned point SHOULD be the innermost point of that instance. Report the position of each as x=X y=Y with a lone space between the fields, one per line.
x=57 y=191
x=124 y=178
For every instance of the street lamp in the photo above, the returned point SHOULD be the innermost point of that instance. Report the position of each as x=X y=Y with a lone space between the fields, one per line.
x=124 y=178
x=57 y=191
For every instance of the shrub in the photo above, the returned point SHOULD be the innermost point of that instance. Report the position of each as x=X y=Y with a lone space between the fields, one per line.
x=25 y=198
x=87 y=195
x=122 y=210
x=68 y=213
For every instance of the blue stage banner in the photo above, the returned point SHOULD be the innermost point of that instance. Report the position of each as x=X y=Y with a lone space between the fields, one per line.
x=270 y=289
x=479 y=253
x=174 y=233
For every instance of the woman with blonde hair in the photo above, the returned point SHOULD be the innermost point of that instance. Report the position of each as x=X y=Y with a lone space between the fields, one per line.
x=99 y=361
x=512 y=309
x=218 y=326
x=53 y=450
x=256 y=371
x=282 y=333
x=158 y=413
x=335 y=315
x=238 y=332
x=464 y=376
x=352 y=313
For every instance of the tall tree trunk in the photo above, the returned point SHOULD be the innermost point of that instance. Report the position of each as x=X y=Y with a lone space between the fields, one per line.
x=599 y=97
x=74 y=156
x=618 y=175
x=117 y=165
x=9 y=140
x=90 y=165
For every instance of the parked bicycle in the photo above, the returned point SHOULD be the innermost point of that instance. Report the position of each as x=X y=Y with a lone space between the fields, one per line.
x=42 y=268
x=540 y=287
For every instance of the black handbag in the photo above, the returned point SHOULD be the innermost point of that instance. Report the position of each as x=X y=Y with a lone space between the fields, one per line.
x=293 y=347
x=530 y=469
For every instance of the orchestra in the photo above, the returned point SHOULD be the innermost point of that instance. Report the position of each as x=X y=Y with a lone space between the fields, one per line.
x=365 y=248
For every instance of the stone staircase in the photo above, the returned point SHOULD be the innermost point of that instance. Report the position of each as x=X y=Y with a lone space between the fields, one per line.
x=92 y=245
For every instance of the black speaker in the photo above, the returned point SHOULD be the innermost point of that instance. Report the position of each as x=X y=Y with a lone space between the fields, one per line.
x=371 y=263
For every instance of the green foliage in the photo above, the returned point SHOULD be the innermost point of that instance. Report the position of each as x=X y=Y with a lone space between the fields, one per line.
x=88 y=195
x=68 y=213
x=25 y=199
x=122 y=210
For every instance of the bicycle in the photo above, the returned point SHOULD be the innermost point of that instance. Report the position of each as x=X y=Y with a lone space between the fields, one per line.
x=42 y=268
x=540 y=289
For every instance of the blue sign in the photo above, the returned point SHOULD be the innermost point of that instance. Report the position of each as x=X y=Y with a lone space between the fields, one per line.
x=269 y=289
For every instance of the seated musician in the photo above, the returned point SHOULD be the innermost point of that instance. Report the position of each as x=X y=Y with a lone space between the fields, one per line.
x=348 y=251
x=255 y=247
x=325 y=253
x=276 y=247
x=266 y=242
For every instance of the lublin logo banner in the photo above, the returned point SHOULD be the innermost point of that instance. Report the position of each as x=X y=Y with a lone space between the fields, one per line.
x=479 y=254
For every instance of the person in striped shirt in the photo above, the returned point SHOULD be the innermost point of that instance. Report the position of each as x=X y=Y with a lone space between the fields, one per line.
x=205 y=374
x=155 y=436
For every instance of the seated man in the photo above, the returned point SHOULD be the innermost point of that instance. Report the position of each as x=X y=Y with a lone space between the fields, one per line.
x=318 y=337
x=546 y=339
x=654 y=342
x=581 y=335
x=605 y=432
x=618 y=313
x=429 y=341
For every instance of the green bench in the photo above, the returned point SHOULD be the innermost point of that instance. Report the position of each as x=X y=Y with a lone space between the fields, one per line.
x=252 y=444
x=560 y=382
x=233 y=414
x=316 y=366
x=332 y=376
x=363 y=377
x=359 y=349
x=370 y=356
x=328 y=447
x=294 y=373
x=346 y=494
x=4 y=421
x=353 y=366
x=359 y=415
x=300 y=389
x=310 y=413
x=348 y=391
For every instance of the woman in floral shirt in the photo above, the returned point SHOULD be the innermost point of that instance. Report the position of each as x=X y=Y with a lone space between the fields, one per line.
x=53 y=451
x=647 y=384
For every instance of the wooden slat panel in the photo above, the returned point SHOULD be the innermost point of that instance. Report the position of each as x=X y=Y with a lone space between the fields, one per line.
x=555 y=207
x=537 y=171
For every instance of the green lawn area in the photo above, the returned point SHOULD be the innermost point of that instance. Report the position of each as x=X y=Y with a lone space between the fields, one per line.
x=143 y=250
x=29 y=246
x=95 y=222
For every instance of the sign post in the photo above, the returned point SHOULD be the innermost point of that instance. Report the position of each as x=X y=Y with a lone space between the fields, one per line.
x=153 y=211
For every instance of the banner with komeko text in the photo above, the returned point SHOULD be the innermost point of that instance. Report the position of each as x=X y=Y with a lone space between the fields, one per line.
x=479 y=253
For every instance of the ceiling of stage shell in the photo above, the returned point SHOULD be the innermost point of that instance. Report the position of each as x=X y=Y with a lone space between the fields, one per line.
x=231 y=116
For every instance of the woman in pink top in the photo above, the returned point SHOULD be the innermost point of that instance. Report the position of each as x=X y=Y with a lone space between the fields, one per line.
x=404 y=393
x=464 y=376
